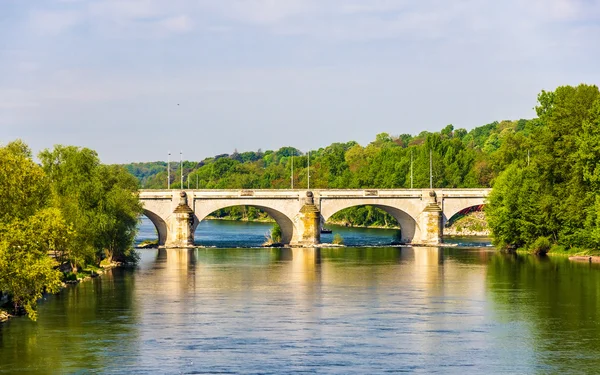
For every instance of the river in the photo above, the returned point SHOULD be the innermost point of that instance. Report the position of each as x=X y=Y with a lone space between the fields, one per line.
x=362 y=310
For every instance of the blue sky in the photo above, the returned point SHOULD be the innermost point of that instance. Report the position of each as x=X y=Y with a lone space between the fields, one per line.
x=136 y=79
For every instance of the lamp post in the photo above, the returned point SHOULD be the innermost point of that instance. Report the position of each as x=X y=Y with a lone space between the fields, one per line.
x=430 y=169
x=411 y=168
x=181 y=166
x=169 y=171
x=308 y=170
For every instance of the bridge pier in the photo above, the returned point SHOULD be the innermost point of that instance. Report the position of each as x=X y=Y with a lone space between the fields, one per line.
x=181 y=225
x=308 y=224
x=431 y=222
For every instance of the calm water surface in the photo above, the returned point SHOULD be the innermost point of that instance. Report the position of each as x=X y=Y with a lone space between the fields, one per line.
x=334 y=311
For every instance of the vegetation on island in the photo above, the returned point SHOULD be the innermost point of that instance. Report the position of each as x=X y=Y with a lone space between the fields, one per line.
x=68 y=214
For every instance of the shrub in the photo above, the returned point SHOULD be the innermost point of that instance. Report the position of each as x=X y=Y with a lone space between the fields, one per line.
x=541 y=246
x=337 y=239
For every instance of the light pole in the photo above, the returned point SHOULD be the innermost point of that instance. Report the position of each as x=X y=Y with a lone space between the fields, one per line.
x=430 y=169
x=308 y=170
x=169 y=171
x=411 y=168
x=292 y=172
x=181 y=166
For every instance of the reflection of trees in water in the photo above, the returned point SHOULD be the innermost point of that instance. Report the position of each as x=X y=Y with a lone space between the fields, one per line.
x=559 y=299
x=79 y=315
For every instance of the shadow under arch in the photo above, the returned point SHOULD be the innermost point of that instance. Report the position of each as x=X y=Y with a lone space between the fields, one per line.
x=159 y=224
x=462 y=212
x=285 y=223
x=408 y=225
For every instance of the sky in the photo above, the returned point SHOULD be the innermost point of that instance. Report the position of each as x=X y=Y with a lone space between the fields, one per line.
x=136 y=79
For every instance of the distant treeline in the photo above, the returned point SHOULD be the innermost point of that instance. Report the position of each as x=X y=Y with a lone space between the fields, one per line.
x=460 y=159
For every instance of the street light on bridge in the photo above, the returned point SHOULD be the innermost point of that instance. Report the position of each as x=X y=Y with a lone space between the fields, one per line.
x=181 y=166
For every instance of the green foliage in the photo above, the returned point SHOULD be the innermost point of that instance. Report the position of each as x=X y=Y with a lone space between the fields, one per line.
x=555 y=193
x=541 y=245
x=23 y=185
x=274 y=236
x=337 y=239
x=276 y=233
x=99 y=201
x=26 y=270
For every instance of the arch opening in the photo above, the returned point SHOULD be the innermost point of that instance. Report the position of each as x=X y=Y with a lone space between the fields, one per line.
x=159 y=225
x=241 y=226
x=392 y=225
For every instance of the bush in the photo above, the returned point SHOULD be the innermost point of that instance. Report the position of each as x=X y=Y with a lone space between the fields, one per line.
x=276 y=233
x=273 y=237
x=337 y=239
x=541 y=246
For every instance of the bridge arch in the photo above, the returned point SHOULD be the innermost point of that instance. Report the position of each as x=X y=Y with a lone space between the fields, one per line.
x=288 y=229
x=159 y=224
x=409 y=227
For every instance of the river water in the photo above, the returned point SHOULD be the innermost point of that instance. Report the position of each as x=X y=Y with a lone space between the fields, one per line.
x=360 y=310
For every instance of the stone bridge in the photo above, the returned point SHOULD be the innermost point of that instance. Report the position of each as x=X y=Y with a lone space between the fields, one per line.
x=421 y=213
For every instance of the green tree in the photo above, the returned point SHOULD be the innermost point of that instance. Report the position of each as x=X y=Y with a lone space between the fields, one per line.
x=26 y=270
x=119 y=212
x=22 y=183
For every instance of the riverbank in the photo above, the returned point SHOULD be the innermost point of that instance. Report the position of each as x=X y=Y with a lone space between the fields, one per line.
x=347 y=224
x=243 y=219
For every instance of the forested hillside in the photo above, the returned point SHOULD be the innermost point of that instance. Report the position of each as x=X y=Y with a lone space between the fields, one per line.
x=460 y=159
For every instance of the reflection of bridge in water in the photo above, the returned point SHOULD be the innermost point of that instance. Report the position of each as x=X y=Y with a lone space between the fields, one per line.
x=420 y=213
x=187 y=269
